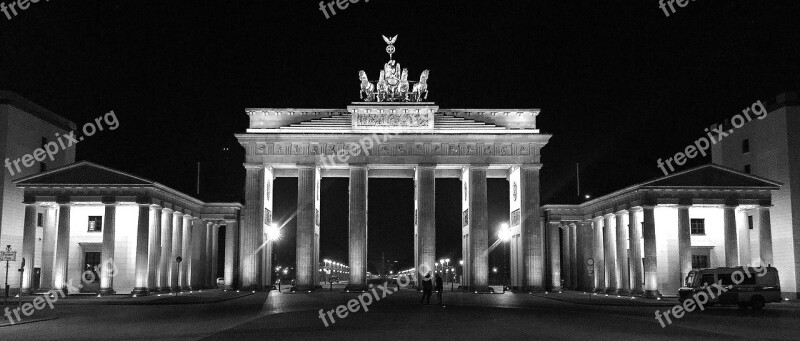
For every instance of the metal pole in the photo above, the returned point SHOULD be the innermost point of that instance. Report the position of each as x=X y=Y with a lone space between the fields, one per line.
x=21 y=272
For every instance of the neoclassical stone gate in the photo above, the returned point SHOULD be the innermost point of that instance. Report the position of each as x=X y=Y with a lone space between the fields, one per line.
x=394 y=140
x=394 y=134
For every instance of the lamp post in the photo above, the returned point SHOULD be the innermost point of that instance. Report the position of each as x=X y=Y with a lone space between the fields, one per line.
x=504 y=234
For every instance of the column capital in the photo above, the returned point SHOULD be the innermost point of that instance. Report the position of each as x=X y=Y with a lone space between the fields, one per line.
x=535 y=167
x=635 y=209
x=621 y=213
x=358 y=166
x=254 y=166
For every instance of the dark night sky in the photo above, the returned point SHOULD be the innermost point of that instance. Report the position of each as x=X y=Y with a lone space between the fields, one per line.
x=619 y=84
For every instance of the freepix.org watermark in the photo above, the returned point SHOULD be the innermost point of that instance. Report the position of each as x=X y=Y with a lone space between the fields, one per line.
x=63 y=142
x=341 y=4
x=363 y=301
x=671 y=3
x=107 y=268
x=699 y=300
x=352 y=149
x=10 y=10
x=703 y=144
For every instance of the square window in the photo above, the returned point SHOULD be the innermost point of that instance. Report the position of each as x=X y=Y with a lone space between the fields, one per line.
x=95 y=224
x=699 y=262
x=747 y=169
x=750 y=222
x=745 y=146
x=698 y=226
x=39 y=219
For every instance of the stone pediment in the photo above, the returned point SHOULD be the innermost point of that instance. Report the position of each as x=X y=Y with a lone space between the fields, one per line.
x=712 y=176
x=83 y=173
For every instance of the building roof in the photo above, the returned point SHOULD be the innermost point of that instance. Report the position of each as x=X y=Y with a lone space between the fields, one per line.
x=10 y=98
x=707 y=184
x=84 y=173
x=87 y=181
x=711 y=175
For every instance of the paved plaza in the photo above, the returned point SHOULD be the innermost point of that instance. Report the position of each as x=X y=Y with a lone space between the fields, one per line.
x=216 y=315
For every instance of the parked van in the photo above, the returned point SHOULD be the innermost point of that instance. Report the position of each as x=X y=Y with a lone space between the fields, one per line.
x=756 y=286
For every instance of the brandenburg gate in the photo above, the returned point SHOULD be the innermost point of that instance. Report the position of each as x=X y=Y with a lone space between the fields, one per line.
x=394 y=132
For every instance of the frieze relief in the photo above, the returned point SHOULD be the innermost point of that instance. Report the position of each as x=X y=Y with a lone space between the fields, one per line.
x=395 y=149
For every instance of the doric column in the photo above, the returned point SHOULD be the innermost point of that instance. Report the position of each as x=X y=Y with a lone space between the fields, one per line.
x=107 y=256
x=635 y=232
x=565 y=266
x=231 y=241
x=765 y=235
x=684 y=244
x=475 y=220
x=610 y=252
x=29 y=246
x=209 y=269
x=252 y=229
x=199 y=259
x=530 y=230
x=585 y=250
x=154 y=248
x=424 y=219
x=624 y=280
x=214 y=254
x=650 y=253
x=177 y=250
x=731 y=242
x=62 y=247
x=554 y=248
x=308 y=180
x=146 y=232
x=358 y=227
x=599 y=256
x=743 y=237
x=266 y=251
x=574 y=263
x=166 y=250
x=186 y=253
x=49 y=233
x=516 y=259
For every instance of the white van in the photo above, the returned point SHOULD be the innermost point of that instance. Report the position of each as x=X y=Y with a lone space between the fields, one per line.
x=756 y=286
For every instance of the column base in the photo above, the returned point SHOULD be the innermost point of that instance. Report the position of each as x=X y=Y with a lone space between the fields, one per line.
x=623 y=292
x=355 y=288
x=652 y=294
x=107 y=292
x=301 y=288
x=140 y=292
x=26 y=291
x=558 y=289
x=600 y=290
x=479 y=290
x=611 y=291
x=636 y=292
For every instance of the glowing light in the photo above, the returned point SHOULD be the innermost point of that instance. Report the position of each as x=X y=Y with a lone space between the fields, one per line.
x=273 y=232
x=505 y=233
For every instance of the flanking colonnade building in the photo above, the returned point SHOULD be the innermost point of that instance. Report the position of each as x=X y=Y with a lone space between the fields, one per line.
x=644 y=239
x=101 y=230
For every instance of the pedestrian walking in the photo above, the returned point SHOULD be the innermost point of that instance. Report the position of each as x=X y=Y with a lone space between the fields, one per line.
x=427 y=286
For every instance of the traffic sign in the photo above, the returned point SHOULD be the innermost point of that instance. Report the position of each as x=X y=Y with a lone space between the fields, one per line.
x=8 y=256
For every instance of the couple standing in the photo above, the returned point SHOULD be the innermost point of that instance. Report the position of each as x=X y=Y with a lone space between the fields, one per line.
x=426 y=289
